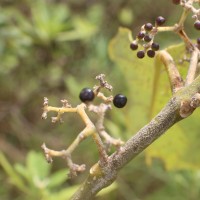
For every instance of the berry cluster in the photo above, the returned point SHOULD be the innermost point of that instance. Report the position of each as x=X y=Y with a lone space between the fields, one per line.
x=195 y=16
x=146 y=38
x=87 y=95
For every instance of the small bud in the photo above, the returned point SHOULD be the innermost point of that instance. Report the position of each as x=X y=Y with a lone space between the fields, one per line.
x=54 y=119
x=46 y=101
x=44 y=115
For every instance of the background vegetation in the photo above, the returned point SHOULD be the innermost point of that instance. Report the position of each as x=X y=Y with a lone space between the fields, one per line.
x=54 y=48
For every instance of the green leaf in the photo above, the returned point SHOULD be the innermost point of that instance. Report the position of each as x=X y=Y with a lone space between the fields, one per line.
x=63 y=194
x=22 y=171
x=57 y=178
x=13 y=176
x=109 y=189
x=148 y=91
x=37 y=166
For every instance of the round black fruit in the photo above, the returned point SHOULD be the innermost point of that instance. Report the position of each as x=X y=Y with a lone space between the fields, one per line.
x=197 y=25
x=120 y=101
x=140 y=54
x=160 y=20
x=86 y=94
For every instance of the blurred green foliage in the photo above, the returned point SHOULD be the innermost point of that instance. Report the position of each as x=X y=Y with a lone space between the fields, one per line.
x=54 y=48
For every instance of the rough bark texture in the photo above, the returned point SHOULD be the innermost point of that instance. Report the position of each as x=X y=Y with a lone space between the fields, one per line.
x=103 y=174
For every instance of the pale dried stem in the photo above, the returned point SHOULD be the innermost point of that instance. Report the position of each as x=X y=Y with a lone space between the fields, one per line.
x=104 y=98
x=192 y=67
x=89 y=130
x=100 y=111
x=175 y=78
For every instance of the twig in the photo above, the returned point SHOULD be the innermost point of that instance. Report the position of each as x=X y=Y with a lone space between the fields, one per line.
x=175 y=78
x=89 y=130
x=193 y=67
x=100 y=111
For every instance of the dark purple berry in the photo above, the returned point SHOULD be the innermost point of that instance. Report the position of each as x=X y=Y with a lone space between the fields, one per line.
x=133 y=45
x=148 y=26
x=140 y=54
x=151 y=53
x=197 y=25
x=160 y=20
x=198 y=40
x=147 y=38
x=140 y=35
x=86 y=94
x=119 y=101
x=155 y=46
x=176 y=1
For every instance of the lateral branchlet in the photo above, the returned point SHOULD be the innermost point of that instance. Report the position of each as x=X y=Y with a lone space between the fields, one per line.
x=97 y=131
x=195 y=101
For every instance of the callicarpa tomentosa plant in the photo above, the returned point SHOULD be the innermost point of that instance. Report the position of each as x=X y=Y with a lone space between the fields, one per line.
x=185 y=98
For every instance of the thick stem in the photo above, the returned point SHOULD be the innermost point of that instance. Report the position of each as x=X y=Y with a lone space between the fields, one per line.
x=103 y=176
x=193 y=67
x=175 y=78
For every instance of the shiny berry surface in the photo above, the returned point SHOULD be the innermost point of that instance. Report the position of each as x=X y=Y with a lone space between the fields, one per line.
x=147 y=38
x=151 y=53
x=155 y=46
x=198 y=40
x=140 y=35
x=86 y=94
x=133 y=46
x=160 y=20
x=197 y=25
x=140 y=54
x=148 y=26
x=120 y=101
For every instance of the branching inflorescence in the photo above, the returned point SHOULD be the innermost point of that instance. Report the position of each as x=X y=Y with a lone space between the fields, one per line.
x=97 y=130
x=146 y=37
x=148 y=32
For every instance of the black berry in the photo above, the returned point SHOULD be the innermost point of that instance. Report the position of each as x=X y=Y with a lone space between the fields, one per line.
x=151 y=53
x=119 y=101
x=155 y=46
x=147 y=38
x=133 y=45
x=140 y=54
x=86 y=94
x=148 y=26
x=140 y=35
x=160 y=20
x=198 y=40
x=197 y=25
x=176 y=1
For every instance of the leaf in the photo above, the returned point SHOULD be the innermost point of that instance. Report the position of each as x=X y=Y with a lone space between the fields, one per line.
x=107 y=190
x=149 y=91
x=57 y=178
x=63 y=194
x=138 y=76
x=37 y=167
x=13 y=176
